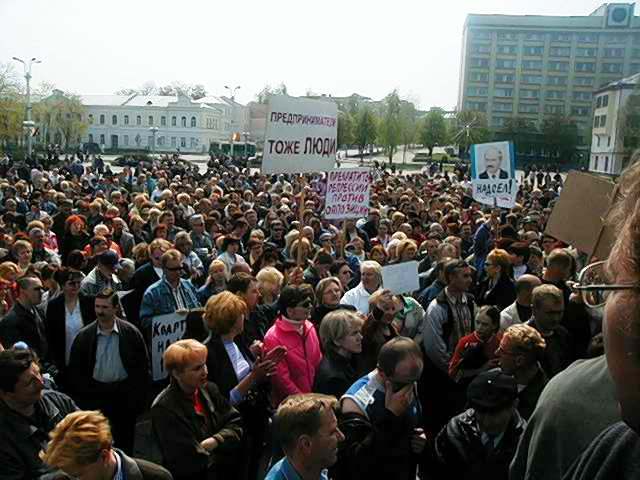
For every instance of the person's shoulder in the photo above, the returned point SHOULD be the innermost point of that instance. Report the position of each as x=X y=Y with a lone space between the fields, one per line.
x=276 y=472
x=152 y=471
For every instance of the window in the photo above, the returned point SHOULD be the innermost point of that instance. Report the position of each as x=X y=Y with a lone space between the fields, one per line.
x=531 y=79
x=101 y=119
x=532 y=65
x=476 y=106
x=598 y=102
x=163 y=121
x=634 y=68
x=614 y=52
x=503 y=92
x=555 y=94
x=536 y=36
x=150 y=141
x=150 y=120
x=585 y=67
x=606 y=163
x=138 y=120
x=586 y=52
x=499 y=121
x=173 y=140
x=504 y=78
x=558 y=66
x=584 y=81
x=125 y=140
x=635 y=53
x=603 y=120
x=126 y=119
x=525 y=108
x=615 y=38
x=598 y=139
x=481 y=48
x=561 y=37
x=507 y=36
x=587 y=38
x=506 y=49
x=582 y=96
x=554 y=109
x=173 y=121
x=183 y=122
x=91 y=138
x=533 y=51
x=481 y=35
x=102 y=139
x=502 y=107
x=114 y=119
x=609 y=141
x=553 y=80
x=193 y=122
x=477 y=91
x=612 y=67
x=560 y=51
x=91 y=120
x=194 y=142
x=596 y=164
x=479 y=77
x=605 y=100
x=183 y=142
x=524 y=93
x=580 y=111
x=160 y=140
x=479 y=62
x=599 y=121
x=504 y=63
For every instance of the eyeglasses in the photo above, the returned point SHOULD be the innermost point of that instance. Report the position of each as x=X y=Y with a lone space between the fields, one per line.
x=173 y=269
x=305 y=304
x=593 y=285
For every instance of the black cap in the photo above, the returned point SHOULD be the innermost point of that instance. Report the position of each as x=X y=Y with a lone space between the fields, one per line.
x=492 y=390
x=108 y=258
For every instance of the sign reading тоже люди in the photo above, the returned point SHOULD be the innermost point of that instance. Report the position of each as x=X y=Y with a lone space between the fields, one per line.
x=300 y=135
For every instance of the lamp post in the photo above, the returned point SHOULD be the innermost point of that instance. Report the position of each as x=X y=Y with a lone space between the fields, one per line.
x=153 y=131
x=232 y=91
x=28 y=124
x=246 y=139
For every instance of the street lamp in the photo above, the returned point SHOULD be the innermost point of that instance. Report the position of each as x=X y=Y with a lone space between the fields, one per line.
x=232 y=91
x=153 y=131
x=28 y=123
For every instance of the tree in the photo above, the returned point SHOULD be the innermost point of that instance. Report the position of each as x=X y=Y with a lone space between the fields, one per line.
x=631 y=121
x=522 y=132
x=364 y=129
x=264 y=94
x=61 y=116
x=345 y=129
x=389 y=129
x=408 y=126
x=559 y=137
x=193 y=91
x=433 y=130
x=471 y=128
x=12 y=106
x=147 y=88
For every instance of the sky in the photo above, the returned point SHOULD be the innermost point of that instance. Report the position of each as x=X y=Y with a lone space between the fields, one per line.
x=336 y=47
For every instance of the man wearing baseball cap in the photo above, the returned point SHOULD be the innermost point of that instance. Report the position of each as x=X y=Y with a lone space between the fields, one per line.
x=483 y=439
x=102 y=276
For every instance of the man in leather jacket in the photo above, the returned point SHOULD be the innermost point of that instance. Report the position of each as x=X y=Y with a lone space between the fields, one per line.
x=480 y=442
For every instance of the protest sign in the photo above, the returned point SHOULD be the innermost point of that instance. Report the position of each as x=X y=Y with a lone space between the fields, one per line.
x=347 y=194
x=165 y=330
x=300 y=135
x=401 y=277
x=577 y=217
x=493 y=174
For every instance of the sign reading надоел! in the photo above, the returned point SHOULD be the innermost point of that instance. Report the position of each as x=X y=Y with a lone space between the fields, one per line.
x=493 y=168
x=347 y=194
x=300 y=135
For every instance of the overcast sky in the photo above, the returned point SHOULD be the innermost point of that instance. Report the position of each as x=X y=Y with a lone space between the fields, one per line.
x=332 y=46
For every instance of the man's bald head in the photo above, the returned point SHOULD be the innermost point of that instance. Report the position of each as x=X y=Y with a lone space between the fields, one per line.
x=524 y=287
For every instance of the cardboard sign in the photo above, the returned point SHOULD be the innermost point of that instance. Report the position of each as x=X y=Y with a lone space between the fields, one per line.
x=165 y=330
x=493 y=167
x=300 y=135
x=578 y=215
x=347 y=194
x=401 y=277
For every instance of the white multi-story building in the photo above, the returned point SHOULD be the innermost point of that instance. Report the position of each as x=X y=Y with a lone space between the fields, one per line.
x=118 y=122
x=608 y=154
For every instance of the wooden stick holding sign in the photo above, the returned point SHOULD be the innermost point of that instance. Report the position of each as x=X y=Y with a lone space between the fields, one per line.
x=301 y=220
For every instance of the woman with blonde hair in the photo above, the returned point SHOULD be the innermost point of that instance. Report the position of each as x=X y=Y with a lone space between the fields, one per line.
x=21 y=251
x=270 y=282
x=199 y=433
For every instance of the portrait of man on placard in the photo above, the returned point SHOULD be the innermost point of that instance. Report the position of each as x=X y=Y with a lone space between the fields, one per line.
x=493 y=161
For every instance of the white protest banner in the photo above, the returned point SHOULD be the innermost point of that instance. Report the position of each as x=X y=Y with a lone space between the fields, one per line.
x=300 y=135
x=493 y=174
x=347 y=194
x=401 y=277
x=165 y=330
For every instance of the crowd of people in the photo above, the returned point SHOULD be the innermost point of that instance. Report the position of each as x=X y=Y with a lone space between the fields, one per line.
x=297 y=362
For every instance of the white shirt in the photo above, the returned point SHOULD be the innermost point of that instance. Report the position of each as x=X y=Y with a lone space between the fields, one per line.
x=357 y=297
x=72 y=325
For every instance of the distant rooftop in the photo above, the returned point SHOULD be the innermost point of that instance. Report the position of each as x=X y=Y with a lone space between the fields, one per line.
x=628 y=82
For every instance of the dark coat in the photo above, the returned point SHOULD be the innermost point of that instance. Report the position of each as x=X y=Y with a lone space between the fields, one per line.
x=143 y=278
x=320 y=311
x=179 y=431
x=259 y=322
x=528 y=397
x=55 y=326
x=22 y=325
x=502 y=174
x=138 y=469
x=501 y=295
x=71 y=242
x=134 y=356
x=459 y=448
x=22 y=438
x=335 y=375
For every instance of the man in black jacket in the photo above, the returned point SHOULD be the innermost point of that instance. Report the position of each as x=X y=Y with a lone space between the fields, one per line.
x=28 y=413
x=82 y=446
x=109 y=369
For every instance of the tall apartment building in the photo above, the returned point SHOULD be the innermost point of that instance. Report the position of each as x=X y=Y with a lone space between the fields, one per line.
x=531 y=66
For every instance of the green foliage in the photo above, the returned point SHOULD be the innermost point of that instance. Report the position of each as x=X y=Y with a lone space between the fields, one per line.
x=559 y=137
x=471 y=128
x=433 y=130
x=264 y=94
x=345 y=128
x=12 y=106
x=61 y=114
x=365 y=128
x=631 y=121
x=408 y=126
x=389 y=131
